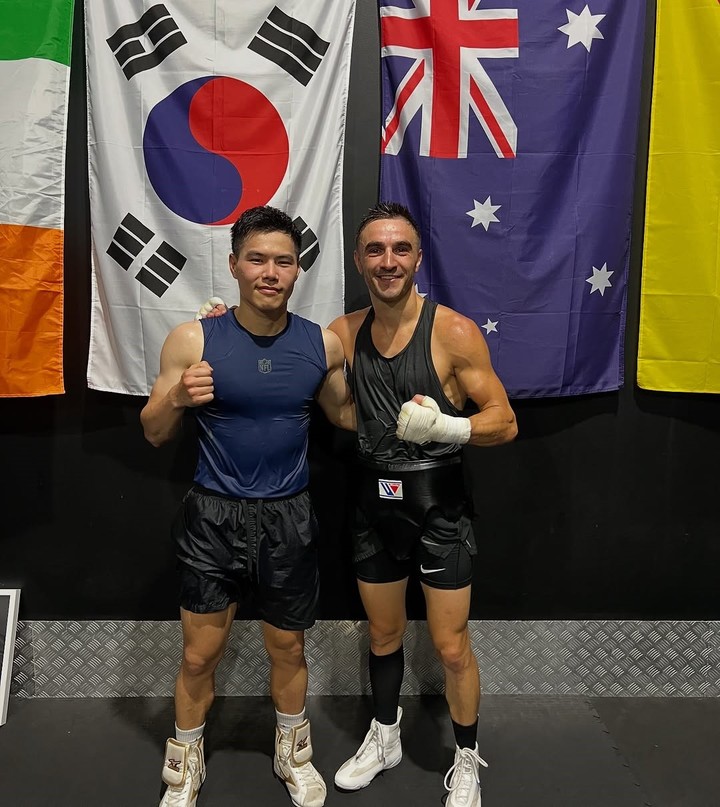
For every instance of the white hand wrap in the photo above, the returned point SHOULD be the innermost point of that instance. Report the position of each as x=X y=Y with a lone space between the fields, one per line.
x=208 y=306
x=425 y=423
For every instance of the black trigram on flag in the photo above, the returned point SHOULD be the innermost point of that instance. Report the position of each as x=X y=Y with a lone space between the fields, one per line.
x=145 y=43
x=309 y=246
x=291 y=44
x=130 y=238
x=160 y=270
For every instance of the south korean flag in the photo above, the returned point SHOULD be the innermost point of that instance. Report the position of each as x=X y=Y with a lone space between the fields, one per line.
x=197 y=112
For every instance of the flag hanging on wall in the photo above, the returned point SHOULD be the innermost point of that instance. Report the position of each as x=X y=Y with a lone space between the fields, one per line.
x=197 y=112
x=509 y=131
x=34 y=75
x=679 y=346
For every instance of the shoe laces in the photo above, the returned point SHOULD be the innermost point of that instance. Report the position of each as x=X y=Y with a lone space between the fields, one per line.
x=177 y=796
x=373 y=741
x=305 y=772
x=465 y=768
x=307 y=775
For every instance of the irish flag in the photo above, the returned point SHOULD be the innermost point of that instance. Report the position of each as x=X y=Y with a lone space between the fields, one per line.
x=34 y=76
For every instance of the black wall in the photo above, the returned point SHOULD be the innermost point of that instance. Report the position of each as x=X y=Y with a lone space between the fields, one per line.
x=606 y=506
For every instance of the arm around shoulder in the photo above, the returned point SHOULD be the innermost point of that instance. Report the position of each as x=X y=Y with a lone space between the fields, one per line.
x=334 y=395
x=184 y=381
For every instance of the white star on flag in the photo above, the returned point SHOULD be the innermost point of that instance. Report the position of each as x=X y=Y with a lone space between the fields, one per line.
x=582 y=28
x=490 y=326
x=483 y=213
x=600 y=280
x=417 y=291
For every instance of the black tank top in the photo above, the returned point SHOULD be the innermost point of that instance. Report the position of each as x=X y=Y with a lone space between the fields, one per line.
x=381 y=386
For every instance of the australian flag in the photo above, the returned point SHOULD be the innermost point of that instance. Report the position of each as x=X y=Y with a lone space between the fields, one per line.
x=510 y=132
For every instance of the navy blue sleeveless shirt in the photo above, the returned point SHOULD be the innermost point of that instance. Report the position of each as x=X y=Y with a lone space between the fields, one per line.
x=253 y=436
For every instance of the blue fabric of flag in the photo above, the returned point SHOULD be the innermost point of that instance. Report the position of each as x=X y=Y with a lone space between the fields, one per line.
x=528 y=236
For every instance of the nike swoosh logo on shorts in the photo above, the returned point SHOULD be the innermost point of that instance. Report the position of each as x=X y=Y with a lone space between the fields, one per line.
x=430 y=571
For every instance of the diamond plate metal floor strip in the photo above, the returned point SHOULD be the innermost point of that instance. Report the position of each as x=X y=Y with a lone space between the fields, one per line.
x=593 y=658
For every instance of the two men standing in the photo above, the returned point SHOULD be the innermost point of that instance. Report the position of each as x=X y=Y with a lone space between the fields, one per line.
x=247 y=525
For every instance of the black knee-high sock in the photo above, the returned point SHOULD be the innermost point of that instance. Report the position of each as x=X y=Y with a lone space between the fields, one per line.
x=386 y=675
x=465 y=736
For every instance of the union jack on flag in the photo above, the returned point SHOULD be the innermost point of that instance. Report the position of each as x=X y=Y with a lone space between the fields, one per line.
x=509 y=130
x=447 y=41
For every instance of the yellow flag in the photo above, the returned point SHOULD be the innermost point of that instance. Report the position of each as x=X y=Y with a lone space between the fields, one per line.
x=679 y=348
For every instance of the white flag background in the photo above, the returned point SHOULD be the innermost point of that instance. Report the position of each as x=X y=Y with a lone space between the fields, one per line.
x=196 y=112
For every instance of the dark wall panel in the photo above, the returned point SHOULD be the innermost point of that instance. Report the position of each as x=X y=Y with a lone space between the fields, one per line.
x=606 y=506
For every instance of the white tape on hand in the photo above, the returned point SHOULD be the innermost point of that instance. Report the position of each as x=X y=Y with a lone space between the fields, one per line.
x=208 y=306
x=424 y=423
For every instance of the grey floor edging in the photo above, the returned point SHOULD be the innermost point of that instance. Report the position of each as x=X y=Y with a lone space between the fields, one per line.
x=63 y=659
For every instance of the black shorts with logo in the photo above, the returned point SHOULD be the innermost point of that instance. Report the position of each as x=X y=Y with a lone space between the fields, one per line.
x=228 y=549
x=413 y=516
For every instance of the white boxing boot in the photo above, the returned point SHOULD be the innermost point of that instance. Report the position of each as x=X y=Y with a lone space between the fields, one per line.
x=381 y=750
x=183 y=773
x=292 y=764
x=463 y=778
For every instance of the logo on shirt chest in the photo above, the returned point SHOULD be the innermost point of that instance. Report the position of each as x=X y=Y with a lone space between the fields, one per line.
x=390 y=489
x=264 y=365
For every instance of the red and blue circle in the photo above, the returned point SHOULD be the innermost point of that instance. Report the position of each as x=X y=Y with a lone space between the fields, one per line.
x=214 y=147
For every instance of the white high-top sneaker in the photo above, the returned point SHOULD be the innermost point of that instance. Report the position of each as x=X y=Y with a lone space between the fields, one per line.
x=183 y=773
x=463 y=778
x=381 y=750
x=292 y=764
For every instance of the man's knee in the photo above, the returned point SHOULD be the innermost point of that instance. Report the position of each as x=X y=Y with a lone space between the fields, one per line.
x=286 y=648
x=197 y=663
x=386 y=636
x=454 y=650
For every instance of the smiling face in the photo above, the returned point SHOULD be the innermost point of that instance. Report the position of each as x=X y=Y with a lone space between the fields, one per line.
x=388 y=255
x=266 y=268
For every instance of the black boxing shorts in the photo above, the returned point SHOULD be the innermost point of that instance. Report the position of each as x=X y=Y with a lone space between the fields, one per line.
x=413 y=515
x=229 y=549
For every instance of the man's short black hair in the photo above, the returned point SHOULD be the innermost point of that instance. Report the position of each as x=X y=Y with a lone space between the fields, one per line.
x=264 y=219
x=386 y=210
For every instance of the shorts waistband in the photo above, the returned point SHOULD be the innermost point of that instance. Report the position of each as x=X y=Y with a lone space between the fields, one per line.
x=207 y=492
x=410 y=465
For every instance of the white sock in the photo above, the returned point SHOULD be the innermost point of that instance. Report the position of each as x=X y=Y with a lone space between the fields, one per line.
x=189 y=735
x=286 y=722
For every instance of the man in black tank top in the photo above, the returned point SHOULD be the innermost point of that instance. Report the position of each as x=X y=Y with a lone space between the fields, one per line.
x=413 y=365
x=408 y=355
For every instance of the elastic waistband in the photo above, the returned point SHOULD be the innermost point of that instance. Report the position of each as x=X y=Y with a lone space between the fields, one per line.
x=410 y=465
x=207 y=492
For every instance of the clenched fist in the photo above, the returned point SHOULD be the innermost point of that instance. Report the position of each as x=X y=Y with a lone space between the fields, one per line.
x=423 y=422
x=196 y=385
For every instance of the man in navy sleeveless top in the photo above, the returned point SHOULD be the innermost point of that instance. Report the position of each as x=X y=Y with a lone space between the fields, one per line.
x=247 y=525
x=414 y=364
x=411 y=356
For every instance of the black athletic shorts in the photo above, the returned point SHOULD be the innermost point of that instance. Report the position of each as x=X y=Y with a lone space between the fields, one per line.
x=413 y=516
x=228 y=549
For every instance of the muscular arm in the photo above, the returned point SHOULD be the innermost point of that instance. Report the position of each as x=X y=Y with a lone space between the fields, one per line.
x=346 y=327
x=183 y=381
x=334 y=395
x=495 y=423
x=463 y=362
